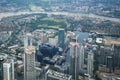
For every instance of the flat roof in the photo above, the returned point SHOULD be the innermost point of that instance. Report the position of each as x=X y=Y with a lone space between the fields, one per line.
x=61 y=29
x=74 y=44
x=116 y=42
x=28 y=34
x=30 y=49
x=58 y=74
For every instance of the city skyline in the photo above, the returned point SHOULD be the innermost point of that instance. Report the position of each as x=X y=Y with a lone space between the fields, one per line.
x=60 y=40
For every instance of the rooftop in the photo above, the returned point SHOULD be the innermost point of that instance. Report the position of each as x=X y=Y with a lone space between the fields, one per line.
x=116 y=42
x=29 y=34
x=3 y=56
x=73 y=44
x=58 y=74
x=61 y=29
x=30 y=49
x=111 y=76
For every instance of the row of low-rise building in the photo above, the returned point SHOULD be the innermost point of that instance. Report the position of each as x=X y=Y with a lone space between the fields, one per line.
x=54 y=75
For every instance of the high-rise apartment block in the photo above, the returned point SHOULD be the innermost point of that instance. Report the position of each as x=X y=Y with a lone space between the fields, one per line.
x=90 y=63
x=29 y=63
x=28 y=40
x=74 y=60
x=81 y=58
x=61 y=37
x=8 y=70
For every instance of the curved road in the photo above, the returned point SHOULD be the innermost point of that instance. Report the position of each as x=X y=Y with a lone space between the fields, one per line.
x=78 y=15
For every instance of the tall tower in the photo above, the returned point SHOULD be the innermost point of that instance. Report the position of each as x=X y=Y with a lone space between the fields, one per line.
x=8 y=70
x=90 y=63
x=74 y=59
x=61 y=37
x=81 y=58
x=109 y=63
x=116 y=53
x=44 y=38
x=3 y=58
x=28 y=40
x=1 y=67
x=29 y=63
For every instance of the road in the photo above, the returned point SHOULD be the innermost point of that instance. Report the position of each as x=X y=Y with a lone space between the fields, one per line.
x=78 y=15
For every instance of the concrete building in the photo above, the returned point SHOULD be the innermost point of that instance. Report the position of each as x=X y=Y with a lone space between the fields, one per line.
x=1 y=69
x=44 y=38
x=74 y=59
x=53 y=41
x=109 y=63
x=116 y=56
x=54 y=75
x=81 y=58
x=28 y=40
x=61 y=37
x=29 y=63
x=110 y=76
x=90 y=63
x=8 y=70
x=3 y=58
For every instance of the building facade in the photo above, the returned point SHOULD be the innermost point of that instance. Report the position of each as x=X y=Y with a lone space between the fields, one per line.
x=29 y=63
x=90 y=66
x=1 y=69
x=8 y=70
x=81 y=58
x=54 y=75
x=61 y=37
x=74 y=60
x=28 y=40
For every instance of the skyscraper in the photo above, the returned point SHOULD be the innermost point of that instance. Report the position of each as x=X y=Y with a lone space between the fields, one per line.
x=61 y=37
x=8 y=70
x=74 y=59
x=81 y=58
x=116 y=53
x=28 y=40
x=44 y=38
x=1 y=69
x=90 y=63
x=29 y=63
x=3 y=58
x=109 y=63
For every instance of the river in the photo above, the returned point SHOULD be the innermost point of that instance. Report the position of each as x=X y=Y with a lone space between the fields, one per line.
x=78 y=15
